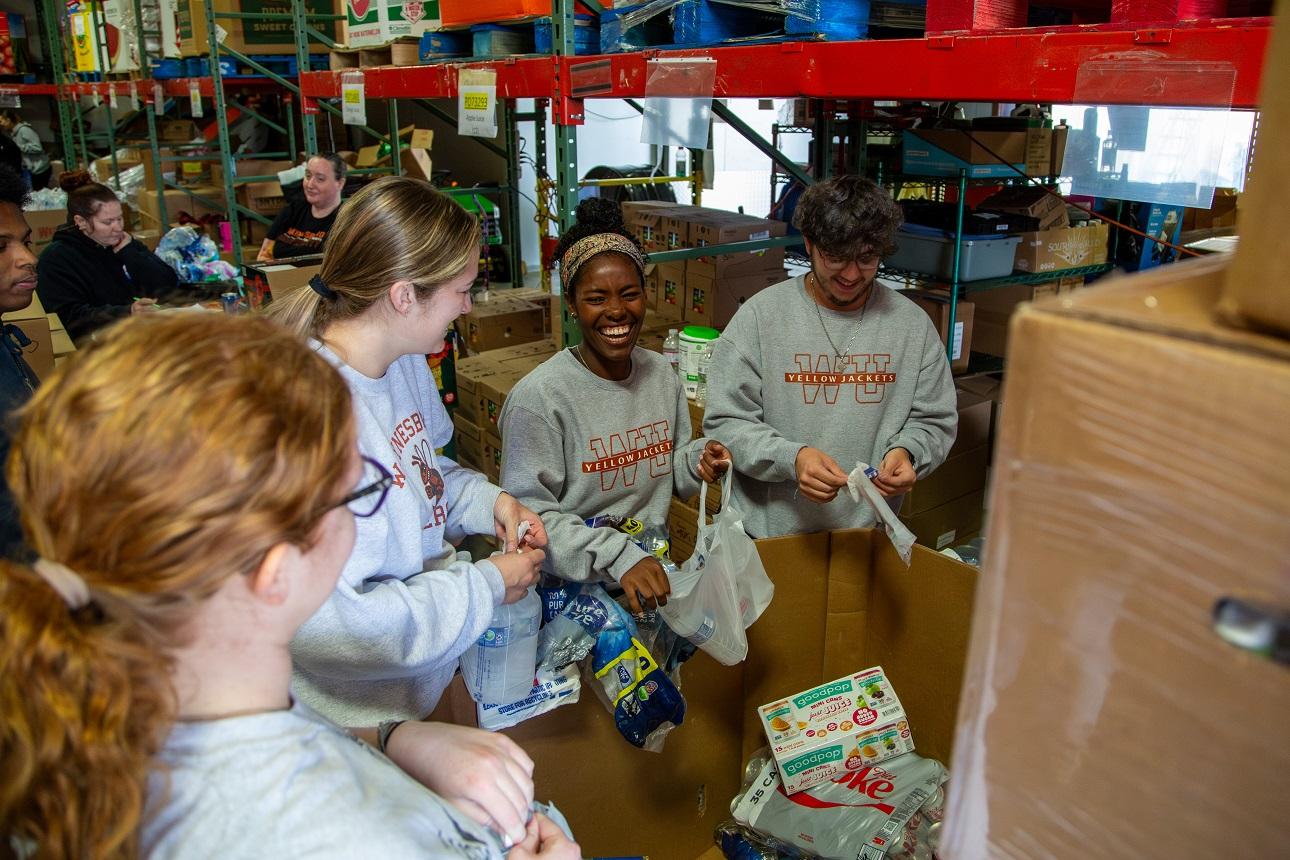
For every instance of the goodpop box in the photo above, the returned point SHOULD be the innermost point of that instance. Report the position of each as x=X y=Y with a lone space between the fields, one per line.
x=835 y=728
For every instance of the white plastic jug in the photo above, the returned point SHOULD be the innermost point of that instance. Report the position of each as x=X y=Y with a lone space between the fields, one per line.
x=499 y=668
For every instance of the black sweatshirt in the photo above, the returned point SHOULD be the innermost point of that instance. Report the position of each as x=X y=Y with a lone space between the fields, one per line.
x=89 y=286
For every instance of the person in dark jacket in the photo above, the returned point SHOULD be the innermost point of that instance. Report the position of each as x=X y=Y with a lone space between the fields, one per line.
x=17 y=381
x=93 y=271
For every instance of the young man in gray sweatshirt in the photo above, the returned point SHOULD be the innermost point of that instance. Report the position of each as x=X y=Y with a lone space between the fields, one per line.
x=828 y=369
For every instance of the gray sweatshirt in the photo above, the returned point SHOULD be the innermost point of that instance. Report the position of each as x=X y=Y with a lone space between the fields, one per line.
x=577 y=446
x=774 y=388
x=385 y=644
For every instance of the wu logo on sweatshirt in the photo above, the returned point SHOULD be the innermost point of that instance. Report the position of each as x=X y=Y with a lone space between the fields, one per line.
x=866 y=374
x=622 y=453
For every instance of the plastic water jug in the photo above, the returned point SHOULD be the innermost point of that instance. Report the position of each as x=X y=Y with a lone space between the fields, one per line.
x=499 y=668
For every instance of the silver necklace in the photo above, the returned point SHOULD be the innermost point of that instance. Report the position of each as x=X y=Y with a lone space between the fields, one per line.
x=838 y=353
x=577 y=352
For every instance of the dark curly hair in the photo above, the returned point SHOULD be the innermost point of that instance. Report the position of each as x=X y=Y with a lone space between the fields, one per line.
x=594 y=215
x=12 y=188
x=848 y=217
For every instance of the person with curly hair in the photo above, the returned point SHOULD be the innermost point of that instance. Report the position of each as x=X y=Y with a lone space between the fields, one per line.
x=560 y=422
x=828 y=369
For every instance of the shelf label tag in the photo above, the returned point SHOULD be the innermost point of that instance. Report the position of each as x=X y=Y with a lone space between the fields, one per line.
x=353 y=101
x=112 y=102
x=134 y=96
x=477 y=102
x=10 y=98
x=220 y=34
x=195 y=98
x=158 y=99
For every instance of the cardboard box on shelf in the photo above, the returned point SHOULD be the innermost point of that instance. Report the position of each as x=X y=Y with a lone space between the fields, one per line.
x=947 y=523
x=417 y=164
x=936 y=303
x=265 y=197
x=976 y=419
x=671 y=291
x=178 y=131
x=43 y=224
x=469 y=438
x=943 y=152
x=250 y=37
x=492 y=464
x=1048 y=209
x=714 y=303
x=651 y=286
x=643 y=219
x=549 y=302
x=1062 y=248
x=1221 y=213
x=1114 y=562
x=178 y=201
x=715 y=227
x=379 y=22
x=493 y=391
x=677 y=223
x=501 y=322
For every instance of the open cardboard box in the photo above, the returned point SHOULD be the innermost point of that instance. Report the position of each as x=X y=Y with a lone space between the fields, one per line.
x=843 y=602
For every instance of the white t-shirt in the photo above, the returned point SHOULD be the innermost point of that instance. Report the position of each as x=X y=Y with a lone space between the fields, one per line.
x=290 y=784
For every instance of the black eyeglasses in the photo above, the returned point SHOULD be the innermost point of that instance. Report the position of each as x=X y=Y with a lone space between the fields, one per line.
x=373 y=487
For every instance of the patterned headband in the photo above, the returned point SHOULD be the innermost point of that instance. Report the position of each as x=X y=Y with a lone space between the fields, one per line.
x=584 y=249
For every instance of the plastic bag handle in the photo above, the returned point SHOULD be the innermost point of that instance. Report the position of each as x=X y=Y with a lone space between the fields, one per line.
x=725 y=496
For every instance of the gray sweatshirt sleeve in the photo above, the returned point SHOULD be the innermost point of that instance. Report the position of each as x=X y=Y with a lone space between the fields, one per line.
x=933 y=419
x=472 y=513
x=533 y=470
x=28 y=141
x=735 y=416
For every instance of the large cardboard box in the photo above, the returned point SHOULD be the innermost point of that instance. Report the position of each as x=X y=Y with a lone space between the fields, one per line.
x=677 y=223
x=39 y=354
x=265 y=197
x=279 y=279
x=1048 y=209
x=713 y=303
x=179 y=201
x=844 y=601
x=469 y=438
x=948 y=523
x=492 y=445
x=501 y=322
x=250 y=37
x=961 y=474
x=937 y=305
x=471 y=372
x=1144 y=485
x=643 y=218
x=715 y=227
x=43 y=224
x=369 y=23
x=493 y=391
x=1062 y=248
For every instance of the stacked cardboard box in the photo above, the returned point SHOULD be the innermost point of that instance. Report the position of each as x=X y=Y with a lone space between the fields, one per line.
x=50 y=343
x=267 y=36
x=937 y=305
x=43 y=224
x=945 y=507
x=503 y=320
x=483 y=383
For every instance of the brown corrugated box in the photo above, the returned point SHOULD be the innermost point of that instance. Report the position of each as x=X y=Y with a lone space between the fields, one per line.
x=671 y=291
x=1048 y=209
x=1062 y=248
x=716 y=227
x=39 y=354
x=643 y=219
x=936 y=303
x=471 y=372
x=844 y=602
x=994 y=310
x=501 y=322
x=469 y=438
x=962 y=474
x=493 y=391
x=714 y=303
x=676 y=225
x=948 y=523
x=1142 y=481
x=492 y=454
x=43 y=224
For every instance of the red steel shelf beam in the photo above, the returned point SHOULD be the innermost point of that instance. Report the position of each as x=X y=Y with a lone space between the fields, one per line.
x=1023 y=65
x=29 y=89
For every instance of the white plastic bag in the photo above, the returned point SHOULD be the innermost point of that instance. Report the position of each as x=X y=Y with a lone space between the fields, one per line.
x=723 y=587
x=860 y=484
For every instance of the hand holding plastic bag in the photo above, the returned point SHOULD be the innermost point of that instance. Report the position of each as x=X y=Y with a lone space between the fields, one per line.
x=860 y=484
x=721 y=589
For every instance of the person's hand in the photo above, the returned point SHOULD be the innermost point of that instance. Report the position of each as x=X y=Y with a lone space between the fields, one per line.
x=896 y=473
x=546 y=840
x=519 y=571
x=483 y=774
x=125 y=239
x=819 y=477
x=714 y=461
x=508 y=513
x=143 y=306
x=646 y=585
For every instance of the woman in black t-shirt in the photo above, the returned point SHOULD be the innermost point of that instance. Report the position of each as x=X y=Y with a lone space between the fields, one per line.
x=302 y=226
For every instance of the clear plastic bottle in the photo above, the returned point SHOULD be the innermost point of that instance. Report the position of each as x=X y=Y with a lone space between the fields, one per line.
x=499 y=668
x=672 y=349
x=701 y=390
